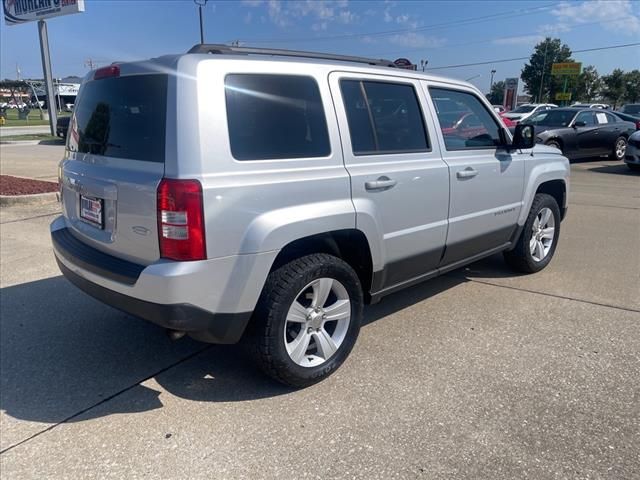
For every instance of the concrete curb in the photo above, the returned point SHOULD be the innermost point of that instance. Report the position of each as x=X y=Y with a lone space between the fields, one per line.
x=20 y=142
x=34 y=199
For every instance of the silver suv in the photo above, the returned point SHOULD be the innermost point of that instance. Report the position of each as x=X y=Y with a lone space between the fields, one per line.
x=265 y=196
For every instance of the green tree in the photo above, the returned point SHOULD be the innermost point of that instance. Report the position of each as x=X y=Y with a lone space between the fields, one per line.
x=587 y=85
x=614 y=87
x=538 y=70
x=632 y=86
x=496 y=95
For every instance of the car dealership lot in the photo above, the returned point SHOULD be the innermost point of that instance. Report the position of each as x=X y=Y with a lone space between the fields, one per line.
x=478 y=374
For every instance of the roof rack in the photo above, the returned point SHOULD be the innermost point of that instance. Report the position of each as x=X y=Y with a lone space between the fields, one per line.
x=219 y=49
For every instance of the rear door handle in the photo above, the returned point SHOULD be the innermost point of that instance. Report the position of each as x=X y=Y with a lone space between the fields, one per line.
x=382 y=183
x=467 y=173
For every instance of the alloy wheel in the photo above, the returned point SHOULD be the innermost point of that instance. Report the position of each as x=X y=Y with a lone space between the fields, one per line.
x=543 y=234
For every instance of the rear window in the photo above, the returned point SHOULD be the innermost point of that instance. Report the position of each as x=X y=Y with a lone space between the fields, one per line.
x=275 y=116
x=121 y=117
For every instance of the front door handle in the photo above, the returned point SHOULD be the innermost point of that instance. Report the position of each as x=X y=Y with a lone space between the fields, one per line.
x=382 y=183
x=467 y=173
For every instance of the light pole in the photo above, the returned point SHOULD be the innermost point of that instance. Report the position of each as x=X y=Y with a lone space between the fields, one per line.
x=493 y=72
x=423 y=64
x=200 y=3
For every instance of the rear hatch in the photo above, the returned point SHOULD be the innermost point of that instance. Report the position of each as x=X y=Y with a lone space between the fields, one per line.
x=114 y=162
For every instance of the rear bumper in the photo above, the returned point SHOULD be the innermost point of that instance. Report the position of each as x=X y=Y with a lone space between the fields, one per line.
x=212 y=300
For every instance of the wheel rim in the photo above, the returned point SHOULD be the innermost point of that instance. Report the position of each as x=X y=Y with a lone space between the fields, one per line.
x=317 y=322
x=621 y=147
x=543 y=232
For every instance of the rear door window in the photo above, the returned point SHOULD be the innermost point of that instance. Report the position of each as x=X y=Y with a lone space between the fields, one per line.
x=275 y=117
x=121 y=117
x=586 y=117
x=383 y=117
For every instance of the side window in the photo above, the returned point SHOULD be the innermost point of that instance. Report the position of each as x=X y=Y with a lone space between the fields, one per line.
x=465 y=122
x=383 y=117
x=275 y=116
x=586 y=117
x=611 y=118
x=601 y=118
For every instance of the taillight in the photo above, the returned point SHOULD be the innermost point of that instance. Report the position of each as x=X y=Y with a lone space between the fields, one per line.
x=106 y=72
x=181 y=220
x=638 y=125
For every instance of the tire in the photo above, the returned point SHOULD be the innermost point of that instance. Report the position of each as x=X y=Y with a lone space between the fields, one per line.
x=619 y=147
x=522 y=258
x=555 y=144
x=634 y=167
x=271 y=336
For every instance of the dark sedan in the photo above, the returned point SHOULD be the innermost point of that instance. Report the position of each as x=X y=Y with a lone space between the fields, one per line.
x=62 y=126
x=582 y=132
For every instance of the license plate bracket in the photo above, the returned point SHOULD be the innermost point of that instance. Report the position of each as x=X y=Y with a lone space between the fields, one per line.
x=91 y=210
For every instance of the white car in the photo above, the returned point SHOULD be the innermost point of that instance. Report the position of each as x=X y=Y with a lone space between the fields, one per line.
x=527 y=110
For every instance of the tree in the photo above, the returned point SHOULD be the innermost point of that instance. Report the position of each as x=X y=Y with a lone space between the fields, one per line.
x=538 y=70
x=496 y=95
x=614 y=87
x=587 y=85
x=632 y=86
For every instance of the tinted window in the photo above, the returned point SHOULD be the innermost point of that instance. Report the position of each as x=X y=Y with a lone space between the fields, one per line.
x=553 y=118
x=121 y=117
x=632 y=109
x=470 y=125
x=383 y=117
x=611 y=118
x=275 y=116
x=586 y=117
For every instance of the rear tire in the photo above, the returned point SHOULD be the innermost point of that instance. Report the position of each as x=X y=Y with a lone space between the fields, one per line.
x=619 y=147
x=297 y=305
x=539 y=238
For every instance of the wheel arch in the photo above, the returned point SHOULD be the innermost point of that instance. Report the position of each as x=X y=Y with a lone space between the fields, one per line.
x=558 y=190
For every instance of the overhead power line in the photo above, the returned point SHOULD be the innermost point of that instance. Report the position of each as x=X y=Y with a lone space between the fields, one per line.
x=504 y=60
x=435 y=26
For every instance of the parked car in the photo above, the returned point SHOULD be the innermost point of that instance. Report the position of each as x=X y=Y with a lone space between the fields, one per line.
x=582 y=133
x=62 y=126
x=631 y=109
x=499 y=108
x=632 y=155
x=590 y=105
x=507 y=122
x=282 y=194
x=629 y=118
x=527 y=110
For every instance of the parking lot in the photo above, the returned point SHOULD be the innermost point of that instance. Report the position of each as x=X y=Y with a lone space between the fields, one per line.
x=478 y=374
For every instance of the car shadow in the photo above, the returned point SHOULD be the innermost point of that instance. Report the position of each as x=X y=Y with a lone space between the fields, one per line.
x=620 y=169
x=61 y=353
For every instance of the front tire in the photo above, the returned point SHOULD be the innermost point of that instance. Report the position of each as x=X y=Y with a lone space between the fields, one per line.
x=539 y=238
x=307 y=319
x=619 y=148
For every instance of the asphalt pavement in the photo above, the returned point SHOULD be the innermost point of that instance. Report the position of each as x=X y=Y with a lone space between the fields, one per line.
x=480 y=374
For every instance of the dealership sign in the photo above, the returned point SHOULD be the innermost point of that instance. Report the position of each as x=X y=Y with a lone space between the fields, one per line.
x=566 y=68
x=23 y=11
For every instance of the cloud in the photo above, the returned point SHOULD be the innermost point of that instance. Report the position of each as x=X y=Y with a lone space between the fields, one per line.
x=614 y=15
x=519 y=40
x=321 y=12
x=416 y=40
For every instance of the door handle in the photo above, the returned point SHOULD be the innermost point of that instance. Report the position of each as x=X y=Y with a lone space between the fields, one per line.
x=382 y=183
x=467 y=173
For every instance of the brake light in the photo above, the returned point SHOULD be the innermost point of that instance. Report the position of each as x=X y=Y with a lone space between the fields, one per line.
x=181 y=220
x=638 y=125
x=106 y=72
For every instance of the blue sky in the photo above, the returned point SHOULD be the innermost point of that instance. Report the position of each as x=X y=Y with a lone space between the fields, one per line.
x=442 y=32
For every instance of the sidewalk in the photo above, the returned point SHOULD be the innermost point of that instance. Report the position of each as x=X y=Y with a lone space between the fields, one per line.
x=31 y=161
x=10 y=131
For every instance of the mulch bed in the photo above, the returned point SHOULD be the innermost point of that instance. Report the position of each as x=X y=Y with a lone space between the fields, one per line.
x=24 y=186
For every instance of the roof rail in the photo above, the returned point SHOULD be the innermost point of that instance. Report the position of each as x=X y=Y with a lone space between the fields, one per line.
x=219 y=49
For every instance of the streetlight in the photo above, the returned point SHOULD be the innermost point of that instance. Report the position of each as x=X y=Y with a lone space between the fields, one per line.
x=200 y=3
x=423 y=64
x=493 y=72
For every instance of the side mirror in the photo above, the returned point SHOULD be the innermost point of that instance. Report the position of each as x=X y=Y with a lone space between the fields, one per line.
x=524 y=137
x=579 y=124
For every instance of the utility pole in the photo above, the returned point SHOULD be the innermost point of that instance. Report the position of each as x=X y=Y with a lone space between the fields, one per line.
x=200 y=3
x=423 y=64
x=493 y=72
x=89 y=63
